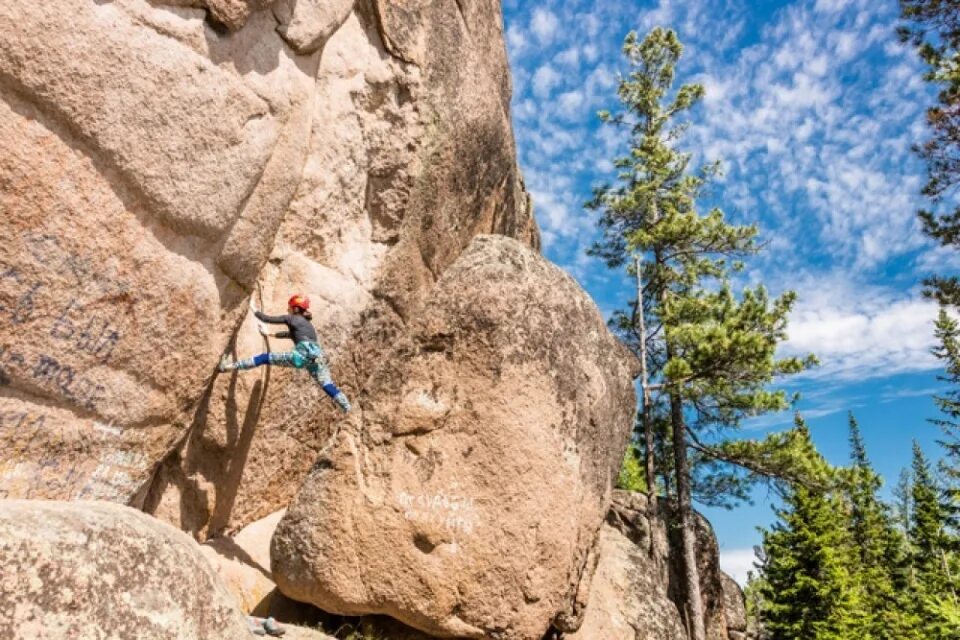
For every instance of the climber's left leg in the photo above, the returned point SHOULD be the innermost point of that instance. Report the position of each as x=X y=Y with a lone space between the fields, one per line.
x=285 y=359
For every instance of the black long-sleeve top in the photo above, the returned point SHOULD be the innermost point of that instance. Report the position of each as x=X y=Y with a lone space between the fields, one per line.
x=298 y=327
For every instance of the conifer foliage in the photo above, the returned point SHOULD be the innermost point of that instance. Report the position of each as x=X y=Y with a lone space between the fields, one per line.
x=808 y=589
x=933 y=26
x=843 y=565
x=709 y=352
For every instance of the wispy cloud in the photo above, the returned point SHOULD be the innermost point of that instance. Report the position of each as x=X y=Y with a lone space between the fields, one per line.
x=812 y=107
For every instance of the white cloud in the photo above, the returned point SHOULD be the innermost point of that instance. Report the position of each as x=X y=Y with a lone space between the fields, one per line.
x=516 y=41
x=860 y=332
x=545 y=79
x=569 y=57
x=737 y=562
x=570 y=104
x=544 y=25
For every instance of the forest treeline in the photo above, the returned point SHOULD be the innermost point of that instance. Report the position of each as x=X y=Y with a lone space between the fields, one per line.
x=839 y=562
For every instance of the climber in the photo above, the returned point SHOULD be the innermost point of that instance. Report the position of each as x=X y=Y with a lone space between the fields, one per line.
x=307 y=353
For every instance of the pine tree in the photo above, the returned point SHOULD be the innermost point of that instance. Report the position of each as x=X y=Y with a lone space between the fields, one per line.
x=932 y=589
x=753 y=602
x=808 y=592
x=711 y=352
x=901 y=502
x=927 y=535
x=948 y=352
x=880 y=569
x=933 y=26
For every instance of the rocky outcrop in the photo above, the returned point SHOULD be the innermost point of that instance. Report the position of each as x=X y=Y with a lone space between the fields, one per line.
x=734 y=607
x=636 y=594
x=466 y=497
x=243 y=563
x=156 y=168
x=630 y=593
x=95 y=569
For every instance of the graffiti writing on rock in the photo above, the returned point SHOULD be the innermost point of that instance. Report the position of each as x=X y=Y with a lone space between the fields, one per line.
x=48 y=371
x=21 y=309
x=85 y=327
x=457 y=514
x=94 y=335
x=21 y=421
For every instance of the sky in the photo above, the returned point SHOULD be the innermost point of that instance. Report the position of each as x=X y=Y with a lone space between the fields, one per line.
x=812 y=107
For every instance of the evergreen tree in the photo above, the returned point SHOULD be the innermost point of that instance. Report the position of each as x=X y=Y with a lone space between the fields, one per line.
x=933 y=26
x=753 y=602
x=948 y=351
x=808 y=592
x=711 y=352
x=901 y=502
x=932 y=589
x=927 y=535
x=880 y=567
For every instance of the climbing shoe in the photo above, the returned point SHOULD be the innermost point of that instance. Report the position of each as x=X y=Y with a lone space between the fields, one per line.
x=255 y=627
x=272 y=628
x=341 y=400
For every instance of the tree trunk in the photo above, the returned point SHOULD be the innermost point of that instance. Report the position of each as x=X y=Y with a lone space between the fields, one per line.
x=685 y=518
x=651 y=471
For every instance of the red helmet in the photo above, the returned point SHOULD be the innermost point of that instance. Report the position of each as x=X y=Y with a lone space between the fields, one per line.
x=297 y=300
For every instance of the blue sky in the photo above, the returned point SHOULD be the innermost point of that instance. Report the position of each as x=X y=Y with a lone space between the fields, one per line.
x=812 y=107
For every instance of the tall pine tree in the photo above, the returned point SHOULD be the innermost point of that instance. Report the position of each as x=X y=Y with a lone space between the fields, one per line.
x=933 y=26
x=932 y=563
x=948 y=352
x=880 y=567
x=808 y=590
x=712 y=353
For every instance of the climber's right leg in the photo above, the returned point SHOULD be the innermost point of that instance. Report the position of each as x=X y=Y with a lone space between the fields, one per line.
x=321 y=373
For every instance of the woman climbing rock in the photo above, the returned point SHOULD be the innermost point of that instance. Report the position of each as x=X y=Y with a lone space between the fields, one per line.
x=307 y=353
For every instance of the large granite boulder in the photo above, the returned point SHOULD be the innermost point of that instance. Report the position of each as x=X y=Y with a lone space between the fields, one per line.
x=734 y=606
x=637 y=591
x=465 y=496
x=89 y=570
x=630 y=595
x=157 y=169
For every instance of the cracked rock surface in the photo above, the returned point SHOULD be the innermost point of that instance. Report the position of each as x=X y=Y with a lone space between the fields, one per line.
x=466 y=499
x=157 y=170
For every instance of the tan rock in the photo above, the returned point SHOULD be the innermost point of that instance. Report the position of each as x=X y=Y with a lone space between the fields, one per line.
x=466 y=498
x=188 y=139
x=629 y=597
x=406 y=163
x=734 y=604
x=233 y=14
x=635 y=593
x=243 y=563
x=154 y=168
x=136 y=148
x=307 y=24
x=89 y=570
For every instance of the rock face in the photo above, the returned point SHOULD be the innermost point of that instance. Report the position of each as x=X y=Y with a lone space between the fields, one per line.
x=243 y=563
x=734 y=606
x=156 y=168
x=630 y=594
x=94 y=570
x=636 y=592
x=466 y=498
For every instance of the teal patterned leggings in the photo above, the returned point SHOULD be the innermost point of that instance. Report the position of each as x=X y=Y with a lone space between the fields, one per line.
x=306 y=355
